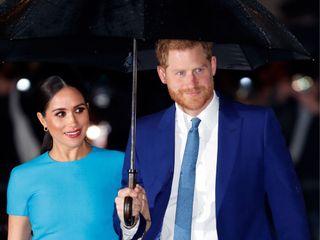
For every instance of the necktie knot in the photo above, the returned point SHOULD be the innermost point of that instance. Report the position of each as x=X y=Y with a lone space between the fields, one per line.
x=195 y=123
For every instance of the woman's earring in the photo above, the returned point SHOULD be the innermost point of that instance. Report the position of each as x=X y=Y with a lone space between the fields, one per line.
x=45 y=129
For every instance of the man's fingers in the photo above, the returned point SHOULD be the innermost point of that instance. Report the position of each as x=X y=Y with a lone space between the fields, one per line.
x=138 y=189
x=125 y=192
x=136 y=207
x=140 y=202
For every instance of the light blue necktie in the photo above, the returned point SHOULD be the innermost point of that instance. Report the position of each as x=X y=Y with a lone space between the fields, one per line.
x=182 y=228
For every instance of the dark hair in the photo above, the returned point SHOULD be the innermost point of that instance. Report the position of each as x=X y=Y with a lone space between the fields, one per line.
x=48 y=88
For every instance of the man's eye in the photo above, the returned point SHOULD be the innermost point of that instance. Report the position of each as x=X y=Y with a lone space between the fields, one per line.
x=198 y=70
x=180 y=73
x=60 y=114
x=80 y=110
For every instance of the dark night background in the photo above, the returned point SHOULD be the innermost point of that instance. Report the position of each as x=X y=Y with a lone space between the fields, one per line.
x=270 y=87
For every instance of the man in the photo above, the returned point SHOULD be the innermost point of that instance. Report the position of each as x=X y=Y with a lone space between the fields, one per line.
x=244 y=184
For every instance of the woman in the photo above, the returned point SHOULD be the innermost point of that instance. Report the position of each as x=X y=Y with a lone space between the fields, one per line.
x=68 y=191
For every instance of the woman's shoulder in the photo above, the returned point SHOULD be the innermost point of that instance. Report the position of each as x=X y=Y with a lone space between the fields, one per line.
x=107 y=159
x=31 y=164
x=102 y=152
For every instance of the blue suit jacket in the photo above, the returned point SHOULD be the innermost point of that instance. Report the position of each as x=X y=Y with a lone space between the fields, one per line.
x=255 y=179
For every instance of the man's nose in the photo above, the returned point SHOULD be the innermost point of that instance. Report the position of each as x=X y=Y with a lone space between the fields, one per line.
x=191 y=78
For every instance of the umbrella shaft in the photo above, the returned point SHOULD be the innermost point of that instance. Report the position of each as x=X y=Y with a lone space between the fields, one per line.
x=133 y=106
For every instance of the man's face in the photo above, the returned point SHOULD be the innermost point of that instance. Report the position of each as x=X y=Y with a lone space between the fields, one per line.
x=189 y=78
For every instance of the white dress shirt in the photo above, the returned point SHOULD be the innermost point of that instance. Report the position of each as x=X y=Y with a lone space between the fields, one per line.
x=204 y=211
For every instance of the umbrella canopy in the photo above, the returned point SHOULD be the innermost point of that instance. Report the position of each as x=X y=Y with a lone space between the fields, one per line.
x=245 y=34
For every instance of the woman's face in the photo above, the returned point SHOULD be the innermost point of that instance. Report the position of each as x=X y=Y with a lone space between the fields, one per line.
x=67 y=118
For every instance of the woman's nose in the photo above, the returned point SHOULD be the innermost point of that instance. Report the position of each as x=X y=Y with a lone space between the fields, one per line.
x=72 y=118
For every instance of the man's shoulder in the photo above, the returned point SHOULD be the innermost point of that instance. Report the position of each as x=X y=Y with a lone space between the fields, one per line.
x=154 y=118
x=242 y=108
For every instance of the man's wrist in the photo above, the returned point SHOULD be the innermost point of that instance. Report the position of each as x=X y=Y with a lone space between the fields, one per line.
x=137 y=230
x=129 y=232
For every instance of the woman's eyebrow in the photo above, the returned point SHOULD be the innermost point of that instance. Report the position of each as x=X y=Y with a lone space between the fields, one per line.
x=62 y=108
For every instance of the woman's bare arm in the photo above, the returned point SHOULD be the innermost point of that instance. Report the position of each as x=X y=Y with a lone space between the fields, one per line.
x=19 y=228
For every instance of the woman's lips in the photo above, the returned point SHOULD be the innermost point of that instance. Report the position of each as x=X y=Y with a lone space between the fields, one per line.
x=73 y=134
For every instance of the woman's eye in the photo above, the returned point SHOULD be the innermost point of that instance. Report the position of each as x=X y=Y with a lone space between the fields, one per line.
x=60 y=114
x=80 y=110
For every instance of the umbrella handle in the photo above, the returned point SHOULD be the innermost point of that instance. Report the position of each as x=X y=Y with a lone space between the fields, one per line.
x=128 y=201
x=127 y=212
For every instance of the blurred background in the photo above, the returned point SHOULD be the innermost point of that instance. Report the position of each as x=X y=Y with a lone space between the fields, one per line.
x=290 y=88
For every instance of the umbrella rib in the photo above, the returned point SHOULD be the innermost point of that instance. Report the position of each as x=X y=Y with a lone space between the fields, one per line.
x=254 y=24
x=14 y=12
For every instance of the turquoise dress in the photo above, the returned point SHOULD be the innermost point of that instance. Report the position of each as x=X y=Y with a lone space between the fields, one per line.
x=67 y=200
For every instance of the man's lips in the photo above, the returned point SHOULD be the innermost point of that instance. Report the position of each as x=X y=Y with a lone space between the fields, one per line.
x=192 y=91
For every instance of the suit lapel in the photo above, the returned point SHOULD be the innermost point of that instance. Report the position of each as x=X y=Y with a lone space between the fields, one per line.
x=228 y=140
x=164 y=156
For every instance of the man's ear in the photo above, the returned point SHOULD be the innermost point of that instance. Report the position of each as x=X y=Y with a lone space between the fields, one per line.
x=42 y=119
x=213 y=65
x=162 y=74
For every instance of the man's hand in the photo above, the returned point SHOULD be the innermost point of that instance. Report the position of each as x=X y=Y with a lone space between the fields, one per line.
x=140 y=203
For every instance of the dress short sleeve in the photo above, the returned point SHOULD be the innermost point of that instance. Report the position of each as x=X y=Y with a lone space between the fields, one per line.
x=17 y=194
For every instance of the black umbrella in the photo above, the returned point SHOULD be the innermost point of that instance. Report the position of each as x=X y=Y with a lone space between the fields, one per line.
x=245 y=34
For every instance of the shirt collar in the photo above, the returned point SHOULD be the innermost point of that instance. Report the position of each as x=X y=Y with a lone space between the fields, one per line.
x=208 y=116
